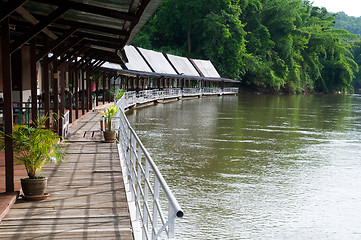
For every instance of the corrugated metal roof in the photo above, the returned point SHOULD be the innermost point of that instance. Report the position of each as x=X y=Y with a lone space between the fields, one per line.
x=183 y=65
x=207 y=68
x=136 y=62
x=157 y=61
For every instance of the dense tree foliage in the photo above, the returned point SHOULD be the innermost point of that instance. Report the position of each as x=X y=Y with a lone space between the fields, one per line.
x=351 y=24
x=280 y=45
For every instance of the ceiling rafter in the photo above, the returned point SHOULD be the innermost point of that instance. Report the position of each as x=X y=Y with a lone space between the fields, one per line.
x=30 y=18
x=68 y=59
x=56 y=43
x=10 y=7
x=86 y=26
x=38 y=28
x=92 y=9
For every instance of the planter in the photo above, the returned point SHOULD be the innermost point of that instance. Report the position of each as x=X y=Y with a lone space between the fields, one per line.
x=33 y=187
x=109 y=136
x=101 y=125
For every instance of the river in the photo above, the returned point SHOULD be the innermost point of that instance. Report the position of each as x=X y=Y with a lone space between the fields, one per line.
x=260 y=166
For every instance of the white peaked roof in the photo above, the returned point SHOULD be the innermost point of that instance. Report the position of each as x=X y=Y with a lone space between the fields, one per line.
x=206 y=68
x=136 y=62
x=158 y=62
x=183 y=65
x=114 y=66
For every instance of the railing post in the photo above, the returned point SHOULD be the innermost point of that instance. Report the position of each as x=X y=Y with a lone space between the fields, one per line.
x=171 y=219
x=138 y=183
x=155 y=208
x=145 y=203
x=131 y=162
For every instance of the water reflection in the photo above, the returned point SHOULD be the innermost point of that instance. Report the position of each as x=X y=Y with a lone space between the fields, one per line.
x=260 y=167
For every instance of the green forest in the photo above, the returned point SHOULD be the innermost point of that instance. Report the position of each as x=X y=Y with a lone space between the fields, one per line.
x=270 y=45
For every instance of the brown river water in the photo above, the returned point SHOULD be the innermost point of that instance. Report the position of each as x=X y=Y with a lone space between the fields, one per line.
x=260 y=166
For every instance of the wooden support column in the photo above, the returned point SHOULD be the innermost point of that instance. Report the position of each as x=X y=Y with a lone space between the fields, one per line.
x=46 y=89
x=8 y=106
x=70 y=93
x=62 y=99
x=82 y=79
x=96 y=90
x=33 y=82
x=55 y=85
x=137 y=83
x=103 y=83
x=109 y=96
x=88 y=91
x=76 y=94
x=126 y=83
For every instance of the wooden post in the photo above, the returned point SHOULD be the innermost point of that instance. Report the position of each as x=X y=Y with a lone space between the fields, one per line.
x=56 y=94
x=103 y=83
x=96 y=90
x=82 y=92
x=8 y=105
x=76 y=94
x=33 y=82
x=62 y=99
x=88 y=91
x=70 y=94
x=109 y=96
x=45 y=77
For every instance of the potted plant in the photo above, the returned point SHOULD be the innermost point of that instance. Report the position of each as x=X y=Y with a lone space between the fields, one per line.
x=35 y=146
x=108 y=114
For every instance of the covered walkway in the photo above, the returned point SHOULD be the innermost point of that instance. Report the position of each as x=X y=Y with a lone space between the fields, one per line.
x=87 y=198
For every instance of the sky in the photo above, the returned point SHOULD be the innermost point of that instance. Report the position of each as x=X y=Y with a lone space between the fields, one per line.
x=350 y=7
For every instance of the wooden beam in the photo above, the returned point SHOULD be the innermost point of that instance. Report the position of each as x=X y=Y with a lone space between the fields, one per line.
x=46 y=88
x=82 y=79
x=92 y=9
x=33 y=82
x=10 y=7
x=70 y=96
x=96 y=37
x=101 y=29
x=76 y=86
x=30 y=18
x=103 y=84
x=57 y=42
x=71 y=56
x=8 y=106
x=38 y=28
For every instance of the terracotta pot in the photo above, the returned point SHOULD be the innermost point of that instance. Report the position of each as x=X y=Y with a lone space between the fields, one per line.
x=101 y=125
x=33 y=187
x=109 y=136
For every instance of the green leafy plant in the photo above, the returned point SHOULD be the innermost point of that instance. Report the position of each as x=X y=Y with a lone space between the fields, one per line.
x=109 y=113
x=117 y=92
x=35 y=146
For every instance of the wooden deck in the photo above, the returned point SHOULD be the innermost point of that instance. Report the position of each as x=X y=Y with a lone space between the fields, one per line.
x=87 y=200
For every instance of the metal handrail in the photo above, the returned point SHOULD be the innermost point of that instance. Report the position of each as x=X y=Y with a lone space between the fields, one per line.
x=141 y=173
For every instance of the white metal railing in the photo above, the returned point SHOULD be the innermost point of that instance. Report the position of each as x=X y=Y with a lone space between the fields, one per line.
x=231 y=90
x=65 y=125
x=156 y=208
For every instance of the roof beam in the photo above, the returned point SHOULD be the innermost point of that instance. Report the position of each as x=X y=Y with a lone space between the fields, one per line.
x=97 y=28
x=57 y=42
x=38 y=28
x=72 y=56
x=10 y=7
x=92 y=9
x=91 y=36
x=30 y=18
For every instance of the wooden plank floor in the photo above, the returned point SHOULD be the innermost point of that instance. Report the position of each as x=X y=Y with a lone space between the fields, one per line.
x=87 y=200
